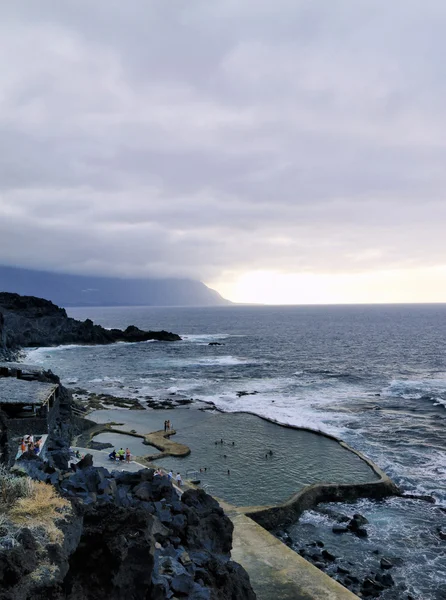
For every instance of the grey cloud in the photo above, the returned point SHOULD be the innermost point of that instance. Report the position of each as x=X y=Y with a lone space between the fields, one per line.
x=196 y=138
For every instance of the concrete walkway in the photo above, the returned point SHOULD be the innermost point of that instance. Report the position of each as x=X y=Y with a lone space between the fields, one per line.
x=100 y=459
x=277 y=572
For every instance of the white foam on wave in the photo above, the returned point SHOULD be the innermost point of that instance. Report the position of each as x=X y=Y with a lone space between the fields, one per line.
x=439 y=402
x=107 y=380
x=205 y=337
x=281 y=409
x=228 y=360
x=418 y=389
x=38 y=355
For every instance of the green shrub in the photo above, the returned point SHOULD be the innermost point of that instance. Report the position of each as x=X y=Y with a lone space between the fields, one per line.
x=12 y=488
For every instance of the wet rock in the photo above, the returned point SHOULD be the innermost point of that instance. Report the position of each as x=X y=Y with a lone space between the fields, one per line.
x=386 y=563
x=328 y=556
x=357 y=522
x=371 y=587
x=343 y=570
x=361 y=532
x=339 y=529
x=320 y=544
x=360 y=519
x=423 y=497
x=387 y=580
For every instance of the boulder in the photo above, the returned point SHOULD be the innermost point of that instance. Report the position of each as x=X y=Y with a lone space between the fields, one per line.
x=386 y=563
x=361 y=532
x=328 y=556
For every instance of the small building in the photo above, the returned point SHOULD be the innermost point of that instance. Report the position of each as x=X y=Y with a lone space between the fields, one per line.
x=21 y=399
x=27 y=407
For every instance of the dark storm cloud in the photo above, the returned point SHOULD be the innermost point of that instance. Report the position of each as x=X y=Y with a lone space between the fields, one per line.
x=192 y=138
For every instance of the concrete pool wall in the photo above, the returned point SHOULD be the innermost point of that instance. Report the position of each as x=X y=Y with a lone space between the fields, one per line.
x=272 y=508
x=312 y=495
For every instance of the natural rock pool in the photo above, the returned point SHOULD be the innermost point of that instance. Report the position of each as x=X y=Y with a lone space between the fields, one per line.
x=258 y=463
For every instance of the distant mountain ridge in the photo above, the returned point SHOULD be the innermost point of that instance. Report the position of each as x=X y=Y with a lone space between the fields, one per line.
x=89 y=290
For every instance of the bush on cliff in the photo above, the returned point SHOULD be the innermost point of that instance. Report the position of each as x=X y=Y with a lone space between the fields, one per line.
x=32 y=503
x=12 y=488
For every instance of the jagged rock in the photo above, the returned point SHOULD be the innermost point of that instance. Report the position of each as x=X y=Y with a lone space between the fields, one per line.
x=30 y=321
x=182 y=584
x=85 y=462
x=343 y=570
x=208 y=526
x=385 y=563
x=357 y=522
x=386 y=579
x=360 y=519
x=328 y=555
x=361 y=532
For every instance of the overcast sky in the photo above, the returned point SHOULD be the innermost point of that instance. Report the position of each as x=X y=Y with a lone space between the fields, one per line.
x=257 y=145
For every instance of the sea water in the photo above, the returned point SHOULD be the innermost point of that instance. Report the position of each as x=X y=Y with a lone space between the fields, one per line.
x=241 y=458
x=372 y=375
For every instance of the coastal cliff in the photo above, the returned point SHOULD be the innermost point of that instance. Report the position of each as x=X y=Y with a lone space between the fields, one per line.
x=26 y=321
x=125 y=535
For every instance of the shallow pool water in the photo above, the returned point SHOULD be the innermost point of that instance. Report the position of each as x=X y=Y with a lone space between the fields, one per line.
x=246 y=460
x=120 y=440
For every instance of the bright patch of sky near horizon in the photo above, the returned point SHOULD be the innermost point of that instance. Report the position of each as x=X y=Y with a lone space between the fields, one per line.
x=282 y=152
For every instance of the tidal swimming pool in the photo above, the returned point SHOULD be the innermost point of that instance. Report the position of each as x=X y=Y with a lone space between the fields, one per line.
x=258 y=463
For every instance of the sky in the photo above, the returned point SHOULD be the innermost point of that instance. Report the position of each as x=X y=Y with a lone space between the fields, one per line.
x=282 y=152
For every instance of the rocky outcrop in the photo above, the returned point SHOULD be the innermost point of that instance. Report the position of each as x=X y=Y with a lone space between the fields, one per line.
x=132 y=537
x=26 y=321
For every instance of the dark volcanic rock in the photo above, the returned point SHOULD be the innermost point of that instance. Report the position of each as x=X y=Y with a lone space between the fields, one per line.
x=386 y=563
x=133 y=537
x=122 y=548
x=29 y=321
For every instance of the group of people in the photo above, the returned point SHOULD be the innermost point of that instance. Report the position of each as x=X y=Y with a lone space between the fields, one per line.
x=121 y=455
x=29 y=445
x=167 y=426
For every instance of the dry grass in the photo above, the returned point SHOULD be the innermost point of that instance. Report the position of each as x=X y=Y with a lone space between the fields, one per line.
x=41 y=508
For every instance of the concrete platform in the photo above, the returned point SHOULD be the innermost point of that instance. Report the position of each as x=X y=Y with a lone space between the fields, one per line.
x=100 y=459
x=277 y=572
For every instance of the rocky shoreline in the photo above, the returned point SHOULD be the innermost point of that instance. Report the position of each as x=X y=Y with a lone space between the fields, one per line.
x=124 y=535
x=26 y=321
x=365 y=582
x=146 y=541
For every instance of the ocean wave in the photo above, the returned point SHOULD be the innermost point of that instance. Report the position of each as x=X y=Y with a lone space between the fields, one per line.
x=107 y=380
x=37 y=355
x=433 y=390
x=228 y=360
x=205 y=337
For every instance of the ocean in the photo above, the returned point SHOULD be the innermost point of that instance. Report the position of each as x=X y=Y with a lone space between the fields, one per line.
x=374 y=376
